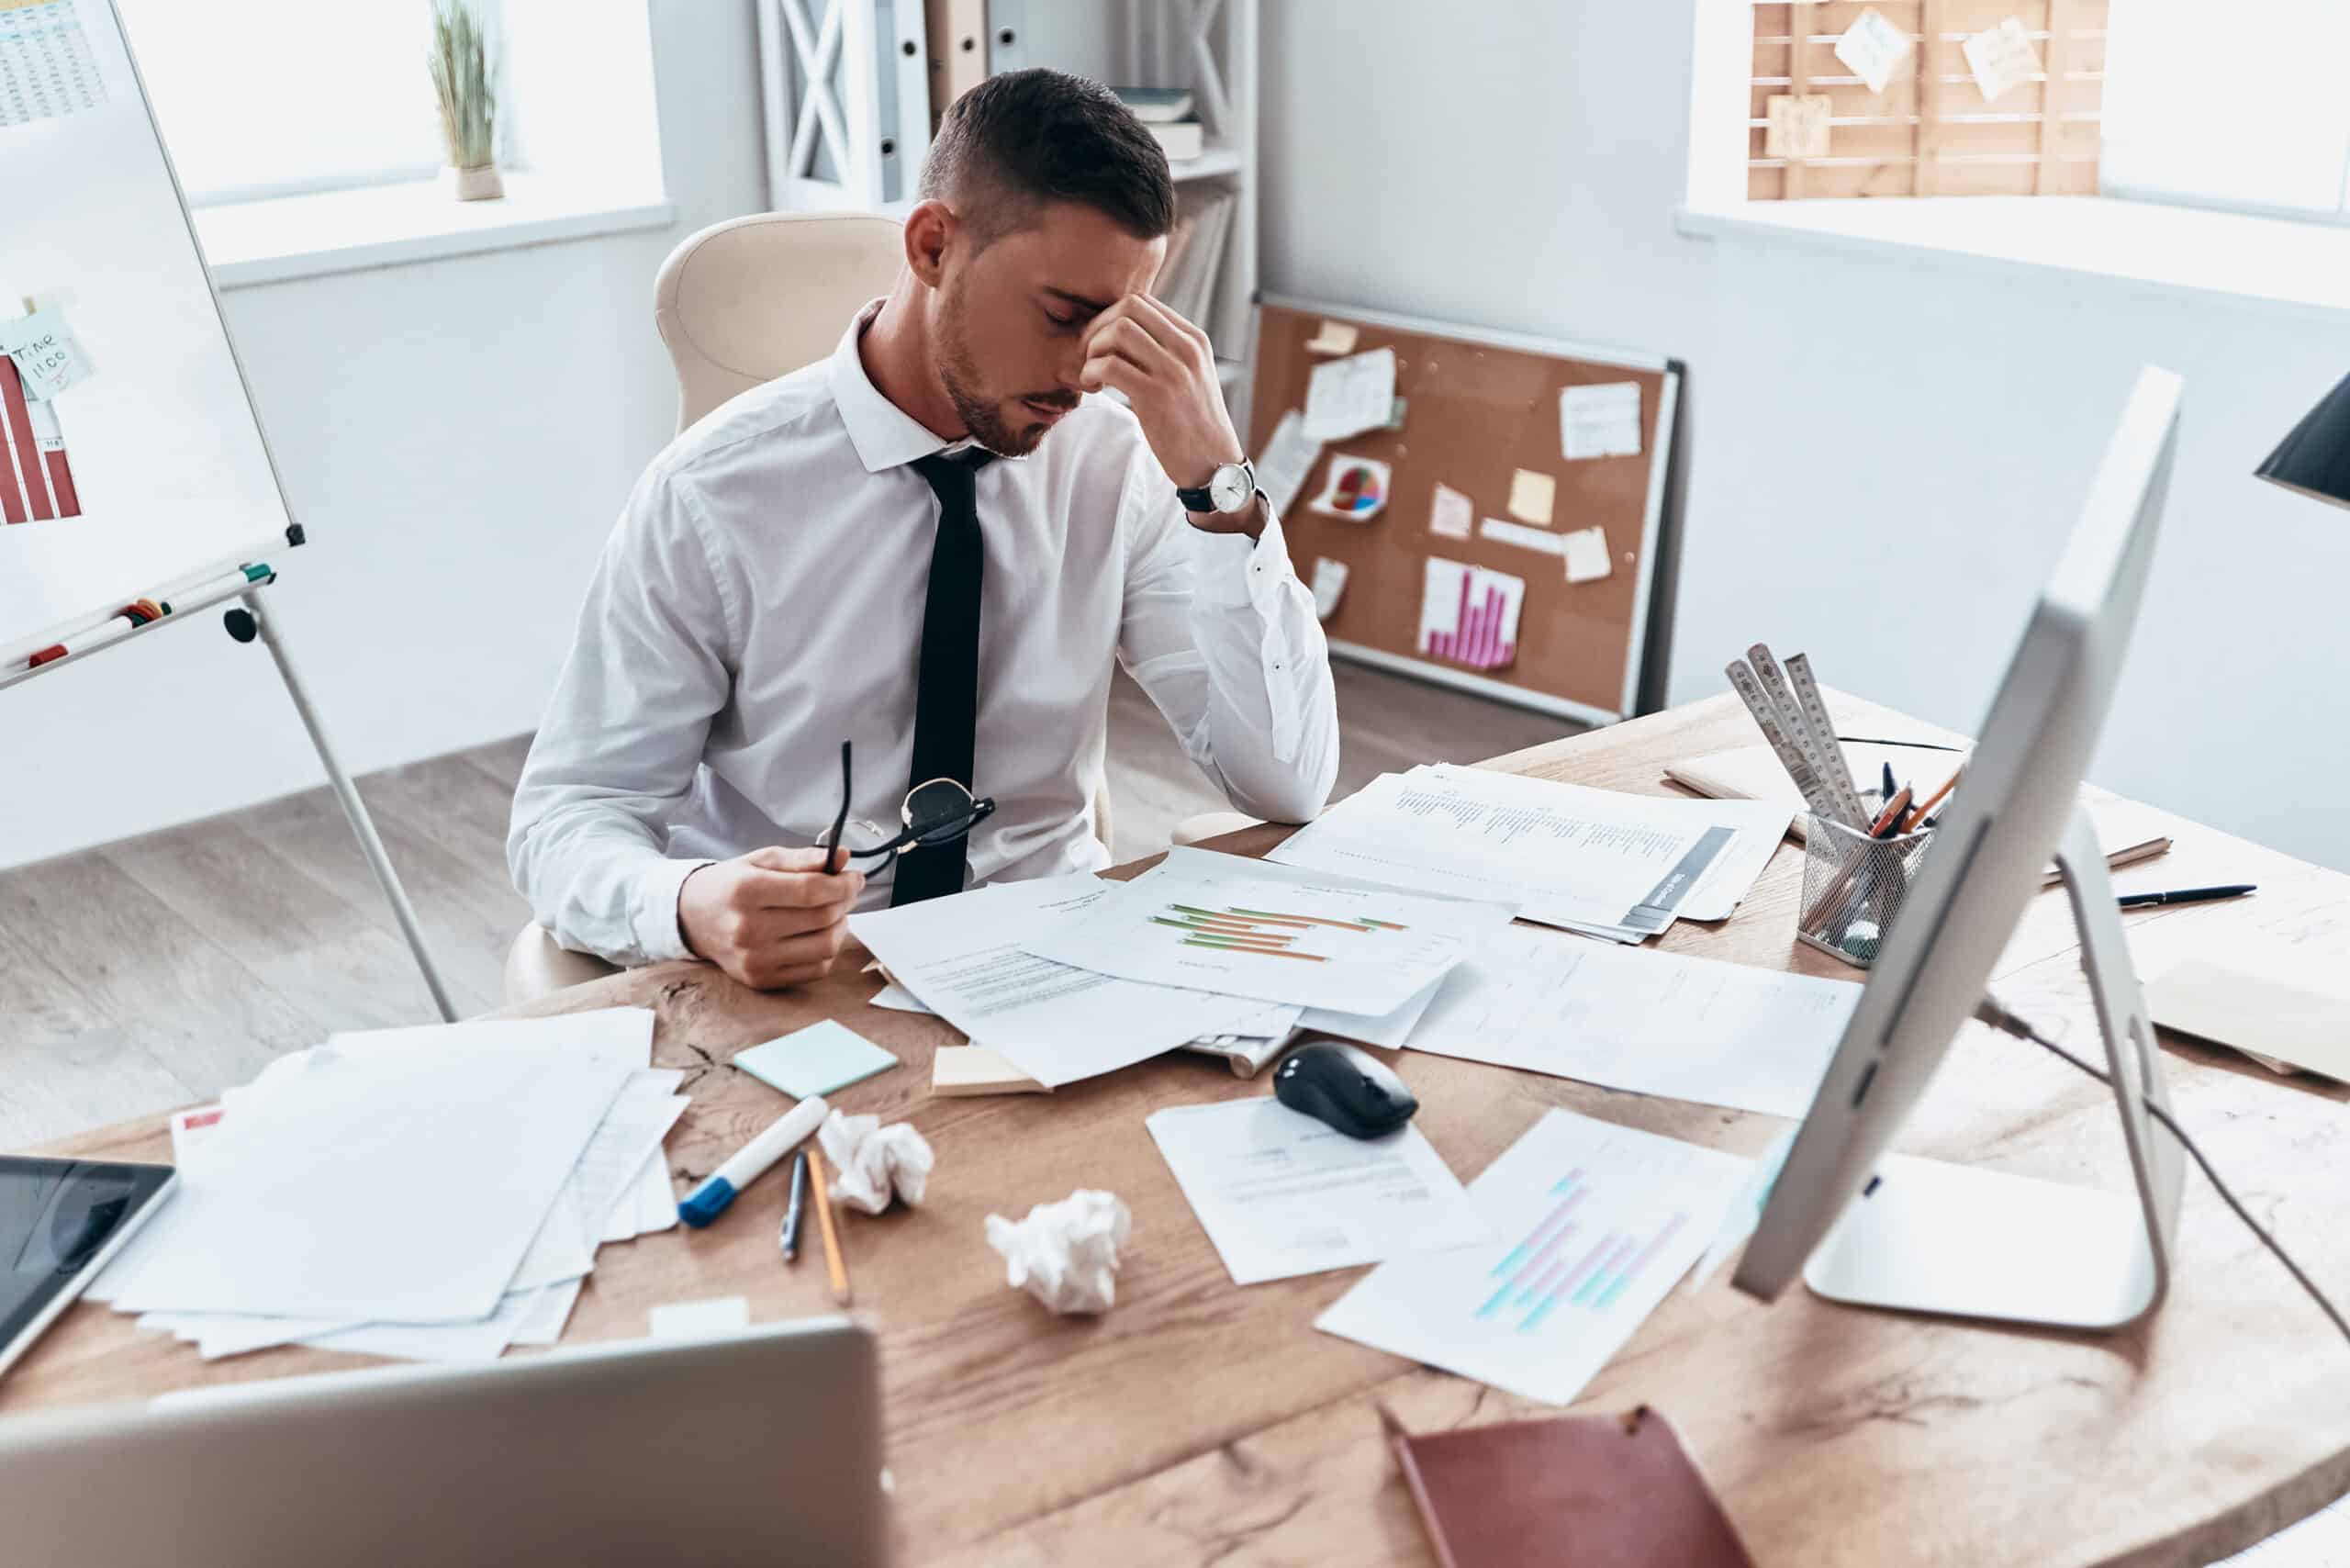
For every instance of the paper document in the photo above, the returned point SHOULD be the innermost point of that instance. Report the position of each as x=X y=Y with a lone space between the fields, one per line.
x=1354 y=489
x=1390 y=1029
x=1449 y=513
x=1600 y=422
x=1796 y=125
x=1617 y=865
x=1874 y=49
x=896 y=998
x=713 y=1318
x=2001 y=58
x=1597 y=1222
x=1347 y=397
x=1522 y=536
x=969 y=956
x=1288 y=458
x=1587 y=557
x=1242 y=928
x=1330 y=584
x=1281 y=1193
x=1470 y=614
x=1651 y=1023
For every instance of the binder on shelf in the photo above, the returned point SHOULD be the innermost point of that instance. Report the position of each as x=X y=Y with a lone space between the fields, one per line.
x=1008 y=46
x=959 y=51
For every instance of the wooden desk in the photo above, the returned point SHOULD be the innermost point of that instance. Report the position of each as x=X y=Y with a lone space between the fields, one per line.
x=1197 y=1422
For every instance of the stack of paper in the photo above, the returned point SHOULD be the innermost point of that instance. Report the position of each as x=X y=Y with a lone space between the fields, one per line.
x=1598 y=861
x=970 y=959
x=434 y=1193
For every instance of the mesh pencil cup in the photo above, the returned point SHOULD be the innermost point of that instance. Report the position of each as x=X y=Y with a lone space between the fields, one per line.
x=1853 y=888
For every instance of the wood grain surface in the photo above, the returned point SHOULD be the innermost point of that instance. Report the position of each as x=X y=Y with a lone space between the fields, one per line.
x=1199 y=1423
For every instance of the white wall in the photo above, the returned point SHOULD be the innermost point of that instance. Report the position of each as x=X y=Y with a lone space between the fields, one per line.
x=457 y=437
x=1886 y=452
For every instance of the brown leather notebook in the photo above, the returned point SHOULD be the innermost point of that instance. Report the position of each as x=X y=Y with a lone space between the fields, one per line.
x=1574 y=1491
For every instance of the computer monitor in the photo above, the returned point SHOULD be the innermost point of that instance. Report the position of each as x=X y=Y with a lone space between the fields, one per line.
x=1937 y=1237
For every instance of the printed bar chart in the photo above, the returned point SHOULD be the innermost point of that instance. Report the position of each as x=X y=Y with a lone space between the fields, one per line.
x=1262 y=931
x=1555 y=1266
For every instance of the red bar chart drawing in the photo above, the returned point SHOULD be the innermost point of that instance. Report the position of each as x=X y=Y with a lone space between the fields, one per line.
x=28 y=474
x=1470 y=614
x=51 y=435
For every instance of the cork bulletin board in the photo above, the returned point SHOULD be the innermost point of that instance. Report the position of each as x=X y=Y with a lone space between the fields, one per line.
x=1478 y=409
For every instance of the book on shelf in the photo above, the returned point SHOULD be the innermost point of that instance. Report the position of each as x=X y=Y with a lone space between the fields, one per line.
x=1181 y=140
x=1187 y=279
x=1156 y=106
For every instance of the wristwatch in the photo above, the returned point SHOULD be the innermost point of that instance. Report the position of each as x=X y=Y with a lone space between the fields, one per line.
x=1229 y=489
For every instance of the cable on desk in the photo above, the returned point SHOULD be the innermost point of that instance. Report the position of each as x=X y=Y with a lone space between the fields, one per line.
x=2007 y=1023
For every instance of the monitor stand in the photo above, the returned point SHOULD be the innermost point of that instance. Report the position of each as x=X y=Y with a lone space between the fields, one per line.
x=1931 y=1237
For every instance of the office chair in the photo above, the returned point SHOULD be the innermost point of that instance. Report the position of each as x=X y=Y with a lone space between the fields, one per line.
x=738 y=303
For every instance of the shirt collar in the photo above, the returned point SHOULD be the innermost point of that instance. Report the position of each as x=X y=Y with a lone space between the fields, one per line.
x=885 y=435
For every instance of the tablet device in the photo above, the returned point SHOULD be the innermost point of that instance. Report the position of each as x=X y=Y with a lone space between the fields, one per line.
x=61 y=1221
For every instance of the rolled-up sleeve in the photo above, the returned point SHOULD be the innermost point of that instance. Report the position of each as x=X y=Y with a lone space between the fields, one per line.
x=650 y=664
x=1220 y=632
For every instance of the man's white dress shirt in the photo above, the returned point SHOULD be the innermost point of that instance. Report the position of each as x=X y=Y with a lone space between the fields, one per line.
x=761 y=600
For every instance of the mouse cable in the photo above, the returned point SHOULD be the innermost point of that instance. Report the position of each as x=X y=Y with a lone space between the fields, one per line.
x=2007 y=1023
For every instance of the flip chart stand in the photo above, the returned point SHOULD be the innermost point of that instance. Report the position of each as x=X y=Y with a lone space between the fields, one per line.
x=1931 y=1237
x=245 y=623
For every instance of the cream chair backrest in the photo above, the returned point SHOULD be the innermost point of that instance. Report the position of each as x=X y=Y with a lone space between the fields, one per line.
x=753 y=298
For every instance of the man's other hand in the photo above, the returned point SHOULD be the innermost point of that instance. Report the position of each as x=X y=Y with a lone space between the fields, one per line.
x=770 y=918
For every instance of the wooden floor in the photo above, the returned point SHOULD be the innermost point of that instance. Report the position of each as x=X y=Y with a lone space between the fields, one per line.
x=161 y=970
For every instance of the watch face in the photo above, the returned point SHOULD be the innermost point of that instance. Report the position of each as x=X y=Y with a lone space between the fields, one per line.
x=1229 y=487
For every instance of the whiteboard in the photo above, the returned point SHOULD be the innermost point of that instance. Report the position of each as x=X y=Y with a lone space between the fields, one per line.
x=168 y=469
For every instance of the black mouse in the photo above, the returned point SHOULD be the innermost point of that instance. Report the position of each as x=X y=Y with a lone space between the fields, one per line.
x=1345 y=1087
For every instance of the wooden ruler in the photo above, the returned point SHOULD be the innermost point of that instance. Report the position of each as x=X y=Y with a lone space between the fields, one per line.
x=1823 y=733
x=1815 y=792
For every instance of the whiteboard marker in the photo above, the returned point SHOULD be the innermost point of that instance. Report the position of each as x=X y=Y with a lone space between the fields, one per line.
x=707 y=1202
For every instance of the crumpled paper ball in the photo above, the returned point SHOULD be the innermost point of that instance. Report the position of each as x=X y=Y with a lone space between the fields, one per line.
x=875 y=1162
x=1065 y=1254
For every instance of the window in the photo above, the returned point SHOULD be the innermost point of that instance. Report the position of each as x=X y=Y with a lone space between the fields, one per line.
x=272 y=97
x=2238 y=105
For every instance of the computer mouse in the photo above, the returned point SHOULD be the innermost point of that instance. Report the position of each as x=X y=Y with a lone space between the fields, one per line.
x=1344 y=1087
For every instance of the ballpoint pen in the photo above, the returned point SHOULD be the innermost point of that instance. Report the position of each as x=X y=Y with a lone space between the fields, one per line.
x=790 y=1238
x=2187 y=895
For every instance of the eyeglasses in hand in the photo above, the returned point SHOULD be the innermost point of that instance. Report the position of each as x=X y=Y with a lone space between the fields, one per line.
x=938 y=811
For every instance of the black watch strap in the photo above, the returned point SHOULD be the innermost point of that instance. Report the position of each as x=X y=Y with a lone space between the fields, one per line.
x=1203 y=499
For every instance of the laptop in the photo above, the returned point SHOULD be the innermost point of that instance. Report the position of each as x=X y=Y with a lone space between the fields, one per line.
x=760 y=1447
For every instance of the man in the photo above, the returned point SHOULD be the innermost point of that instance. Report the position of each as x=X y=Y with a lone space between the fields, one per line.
x=932 y=545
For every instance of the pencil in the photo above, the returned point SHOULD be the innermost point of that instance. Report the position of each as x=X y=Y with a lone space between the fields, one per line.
x=835 y=1263
x=1918 y=814
x=1893 y=813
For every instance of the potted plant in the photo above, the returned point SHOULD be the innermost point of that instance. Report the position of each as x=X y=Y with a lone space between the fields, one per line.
x=466 y=84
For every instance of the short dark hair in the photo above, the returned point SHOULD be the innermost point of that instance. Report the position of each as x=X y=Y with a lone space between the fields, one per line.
x=1021 y=139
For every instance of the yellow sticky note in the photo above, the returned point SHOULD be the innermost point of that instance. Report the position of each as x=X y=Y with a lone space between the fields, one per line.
x=1530 y=495
x=1336 y=337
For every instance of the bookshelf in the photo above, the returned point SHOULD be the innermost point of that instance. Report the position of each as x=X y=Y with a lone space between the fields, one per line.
x=845 y=93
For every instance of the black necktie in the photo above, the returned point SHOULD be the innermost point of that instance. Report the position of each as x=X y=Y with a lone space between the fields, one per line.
x=946 y=696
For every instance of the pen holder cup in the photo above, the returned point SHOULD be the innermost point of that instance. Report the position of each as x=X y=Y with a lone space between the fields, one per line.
x=1853 y=888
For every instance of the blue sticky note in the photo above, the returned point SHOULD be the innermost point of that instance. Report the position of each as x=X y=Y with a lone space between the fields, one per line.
x=815 y=1060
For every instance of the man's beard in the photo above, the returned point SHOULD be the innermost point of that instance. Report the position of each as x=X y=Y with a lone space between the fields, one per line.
x=984 y=416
